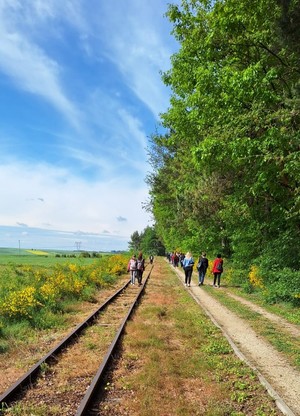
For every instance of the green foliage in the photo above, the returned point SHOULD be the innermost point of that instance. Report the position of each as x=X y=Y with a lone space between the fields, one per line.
x=135 y=242
x=147 y=242
x=282 y=285
x=226 y=173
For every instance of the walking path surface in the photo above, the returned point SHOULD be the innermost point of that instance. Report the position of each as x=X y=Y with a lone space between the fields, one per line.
x=280 y=378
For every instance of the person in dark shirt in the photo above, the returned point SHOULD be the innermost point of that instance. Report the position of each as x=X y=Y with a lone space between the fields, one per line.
x=202 y=267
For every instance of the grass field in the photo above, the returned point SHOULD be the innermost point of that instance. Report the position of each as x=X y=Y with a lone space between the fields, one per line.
x=41 y=257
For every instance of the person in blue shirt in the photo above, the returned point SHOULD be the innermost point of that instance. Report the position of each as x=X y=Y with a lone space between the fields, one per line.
x=188 y=264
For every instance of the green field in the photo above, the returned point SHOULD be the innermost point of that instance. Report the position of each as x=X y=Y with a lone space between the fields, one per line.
x=42 y=257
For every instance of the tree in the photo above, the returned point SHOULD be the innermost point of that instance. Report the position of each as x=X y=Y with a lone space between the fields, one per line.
x=147 y=242
x=150 y=243
x=135 y=243
x=226 y=173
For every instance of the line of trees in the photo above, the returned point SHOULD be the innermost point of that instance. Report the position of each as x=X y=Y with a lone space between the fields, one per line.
x=226 y=171
x=147 y=241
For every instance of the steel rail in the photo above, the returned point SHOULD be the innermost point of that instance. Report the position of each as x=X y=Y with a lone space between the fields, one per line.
x=96 y=382
x=9 y=395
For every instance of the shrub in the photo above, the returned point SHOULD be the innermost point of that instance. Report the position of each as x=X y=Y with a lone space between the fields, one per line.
x=19 y=304
x=29 y=293
x=282 y=285
x=234 y=276
x=85 y=254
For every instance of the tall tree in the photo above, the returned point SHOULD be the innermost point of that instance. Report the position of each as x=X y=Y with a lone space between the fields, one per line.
x=135 y=243
x=228 y=172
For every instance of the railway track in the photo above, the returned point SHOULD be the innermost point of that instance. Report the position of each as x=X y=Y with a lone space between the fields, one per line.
x=66 y=380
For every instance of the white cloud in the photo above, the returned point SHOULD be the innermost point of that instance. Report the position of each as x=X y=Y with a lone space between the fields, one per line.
x=34 y=72
x=134 y=38
x=70 y=203
x=25 y=62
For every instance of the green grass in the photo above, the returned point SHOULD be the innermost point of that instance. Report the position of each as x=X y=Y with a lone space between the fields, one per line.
x=12 y=257
x=278 y=337
x=178 y=358
x=283 y=309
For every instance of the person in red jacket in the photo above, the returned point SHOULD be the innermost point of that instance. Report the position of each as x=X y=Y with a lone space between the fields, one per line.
x=217 y=270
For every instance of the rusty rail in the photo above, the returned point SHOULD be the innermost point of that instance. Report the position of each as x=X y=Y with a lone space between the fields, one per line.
x=98 y=379
x=25 y=380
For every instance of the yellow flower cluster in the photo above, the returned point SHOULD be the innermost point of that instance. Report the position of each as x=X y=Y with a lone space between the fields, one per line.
x=73 y=268
x=254 y=277
x=20 y=303
x=27 y=269
x=117 y=264
x=38 y=275
x=48 y=292
x=95 y=274
x=78 y=286
x=49 y=286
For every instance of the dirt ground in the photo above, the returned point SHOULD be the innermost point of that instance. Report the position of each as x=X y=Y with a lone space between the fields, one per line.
x=279 y=377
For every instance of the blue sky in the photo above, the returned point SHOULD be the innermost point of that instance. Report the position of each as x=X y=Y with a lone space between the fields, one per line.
x=81 y=92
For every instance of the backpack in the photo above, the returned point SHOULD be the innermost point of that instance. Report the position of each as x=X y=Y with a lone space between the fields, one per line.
x=219 y=267
x=132 y=264
x=140 y=264
x=203 y=264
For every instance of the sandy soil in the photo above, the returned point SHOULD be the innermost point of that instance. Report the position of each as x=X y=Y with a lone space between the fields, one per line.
x=280 y=378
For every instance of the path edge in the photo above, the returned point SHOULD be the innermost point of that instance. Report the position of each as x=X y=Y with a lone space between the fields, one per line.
x=280 y=403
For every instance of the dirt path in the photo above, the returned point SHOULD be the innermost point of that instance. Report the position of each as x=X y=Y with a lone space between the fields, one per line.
x=279 y=377
x=288 y=327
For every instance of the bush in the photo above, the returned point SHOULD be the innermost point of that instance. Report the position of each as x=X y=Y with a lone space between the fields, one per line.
x=28 y=293
x=235 y=276
x=85 y=254
x=282 y=285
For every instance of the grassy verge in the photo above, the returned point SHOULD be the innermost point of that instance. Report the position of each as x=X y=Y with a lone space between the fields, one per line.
x=275 y=334
x=176 y=362
x=282 y=309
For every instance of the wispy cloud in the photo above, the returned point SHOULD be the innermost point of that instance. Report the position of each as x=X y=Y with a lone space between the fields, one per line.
x=121 y=219
x=133 y=38
x=33 y=71
x=21 y=224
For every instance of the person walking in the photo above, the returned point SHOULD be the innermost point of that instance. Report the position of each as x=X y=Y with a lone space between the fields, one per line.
x=202 y=267
x=217 y=270
x=151 y=258
x=140 y=268
x=132 y=267
x=175 y=260
x=188 y=264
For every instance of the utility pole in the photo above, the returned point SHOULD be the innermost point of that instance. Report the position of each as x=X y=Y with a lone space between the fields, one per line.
x=78 y=245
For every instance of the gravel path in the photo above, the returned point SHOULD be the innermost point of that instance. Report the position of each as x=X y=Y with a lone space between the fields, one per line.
x=280 y=378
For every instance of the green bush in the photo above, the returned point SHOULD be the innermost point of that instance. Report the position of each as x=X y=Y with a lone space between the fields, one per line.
x=282 y=285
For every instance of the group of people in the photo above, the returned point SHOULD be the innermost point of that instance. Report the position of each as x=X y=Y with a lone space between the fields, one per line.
x=136 y=267
x=187 y=263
